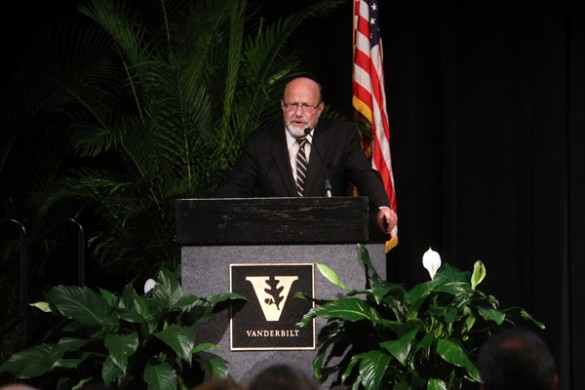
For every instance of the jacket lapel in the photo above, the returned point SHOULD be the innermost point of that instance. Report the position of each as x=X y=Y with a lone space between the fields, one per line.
x=314 y=184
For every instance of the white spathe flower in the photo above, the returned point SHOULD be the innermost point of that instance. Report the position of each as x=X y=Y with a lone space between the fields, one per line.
x=432 y=262
x=149 y=285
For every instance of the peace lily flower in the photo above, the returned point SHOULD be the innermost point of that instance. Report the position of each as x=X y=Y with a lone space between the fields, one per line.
x=432 y=262
x=149 y=285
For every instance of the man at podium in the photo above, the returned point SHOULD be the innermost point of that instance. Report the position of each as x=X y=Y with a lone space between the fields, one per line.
x=303 y=156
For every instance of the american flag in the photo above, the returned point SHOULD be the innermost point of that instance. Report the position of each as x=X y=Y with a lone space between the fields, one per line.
x=369 y=97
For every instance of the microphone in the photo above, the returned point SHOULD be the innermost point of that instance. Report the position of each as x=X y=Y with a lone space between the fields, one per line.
x=328 y=187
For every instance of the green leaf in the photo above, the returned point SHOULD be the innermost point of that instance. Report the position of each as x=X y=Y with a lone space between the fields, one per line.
x=121 y=348
x=81 y=384
x=204 y=347
x=380 y=292
x=391 y=296
x=401 y=348
x=447 y=313
x=372 y=368
x=460 y=288
x=110 y=297
x=452 y=353
x=330 y=275
x=436 y=384
x=398 y=327
x=180 y=338
x=167 y=292
x=65 y=363
x=448 y=273
x=43 y=306
x=136 y=308
x=318 y=365
x=160 y=377
x=527 y=316
x=426 y=342
x=492 y=315
x=31 y=362
x=42 y=358
x=198 y=313
x=215 y=367
x=414 y=297
x=370 y=269
x=80 y=304
x=128 y=298
x=354 y=360
x=349 y=309
x=223 y=297
x=187 y=301
x=110 y=371
x=67 y=344
x=479 y=273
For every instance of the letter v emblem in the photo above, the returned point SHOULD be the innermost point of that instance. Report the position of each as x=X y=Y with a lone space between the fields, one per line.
x=272 y=293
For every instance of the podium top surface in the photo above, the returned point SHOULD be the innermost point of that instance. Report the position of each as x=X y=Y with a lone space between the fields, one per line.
x=300 y=220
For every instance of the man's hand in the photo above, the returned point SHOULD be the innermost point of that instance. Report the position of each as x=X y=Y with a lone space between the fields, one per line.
x=387 y=219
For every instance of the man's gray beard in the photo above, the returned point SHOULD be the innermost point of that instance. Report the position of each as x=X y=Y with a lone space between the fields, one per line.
x=295 y=131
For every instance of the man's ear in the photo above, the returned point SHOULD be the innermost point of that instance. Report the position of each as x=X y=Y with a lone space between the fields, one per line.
x=320 y=107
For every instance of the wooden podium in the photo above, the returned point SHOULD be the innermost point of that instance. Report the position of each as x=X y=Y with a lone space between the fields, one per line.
x=223 y=240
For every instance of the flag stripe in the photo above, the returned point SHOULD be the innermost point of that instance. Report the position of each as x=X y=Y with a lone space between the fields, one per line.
x=369 y=97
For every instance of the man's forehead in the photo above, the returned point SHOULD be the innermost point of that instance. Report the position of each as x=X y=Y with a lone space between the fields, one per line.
x=302 y=94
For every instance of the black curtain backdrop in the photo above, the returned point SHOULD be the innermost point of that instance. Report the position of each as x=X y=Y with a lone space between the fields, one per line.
x=487 y=112
x=486 y=106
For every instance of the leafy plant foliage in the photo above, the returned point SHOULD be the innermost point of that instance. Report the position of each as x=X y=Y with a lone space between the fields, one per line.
x=122 y=109
x=426 y=337
x=141 y=103
x=129 y=341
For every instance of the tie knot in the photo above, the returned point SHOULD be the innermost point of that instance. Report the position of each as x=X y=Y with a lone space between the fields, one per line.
x=302 y=141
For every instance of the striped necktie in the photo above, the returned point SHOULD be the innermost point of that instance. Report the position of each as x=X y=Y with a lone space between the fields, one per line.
x=301 y=166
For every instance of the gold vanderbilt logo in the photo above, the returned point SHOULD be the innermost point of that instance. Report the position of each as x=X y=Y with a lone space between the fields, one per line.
x=268 y=318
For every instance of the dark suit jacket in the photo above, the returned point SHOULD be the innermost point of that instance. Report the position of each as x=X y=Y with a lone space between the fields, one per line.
x=264 y=169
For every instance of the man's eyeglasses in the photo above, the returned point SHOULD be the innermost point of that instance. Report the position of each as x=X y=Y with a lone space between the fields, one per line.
x=307 y=109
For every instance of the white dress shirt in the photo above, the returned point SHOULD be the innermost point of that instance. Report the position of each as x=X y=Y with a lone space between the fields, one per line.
x=293 y=148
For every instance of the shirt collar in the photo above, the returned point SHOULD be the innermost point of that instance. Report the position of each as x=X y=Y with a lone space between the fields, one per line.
x=290 y=140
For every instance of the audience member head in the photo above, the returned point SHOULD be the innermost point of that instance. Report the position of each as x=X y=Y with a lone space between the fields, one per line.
x=224 y=384
x=281 y=377
x=17 y=386
x=517 y=359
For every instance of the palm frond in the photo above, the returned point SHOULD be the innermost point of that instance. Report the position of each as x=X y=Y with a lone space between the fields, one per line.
x=153 y=103
x=128 y=38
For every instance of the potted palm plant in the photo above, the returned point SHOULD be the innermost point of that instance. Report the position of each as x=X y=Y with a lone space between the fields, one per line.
x=135 y=105
x=425 y=337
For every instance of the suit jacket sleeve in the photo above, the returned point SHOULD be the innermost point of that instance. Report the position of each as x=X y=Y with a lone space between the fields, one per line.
x=359 y=171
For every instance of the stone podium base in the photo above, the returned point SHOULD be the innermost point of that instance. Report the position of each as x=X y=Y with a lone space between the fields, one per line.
x=206 y=271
